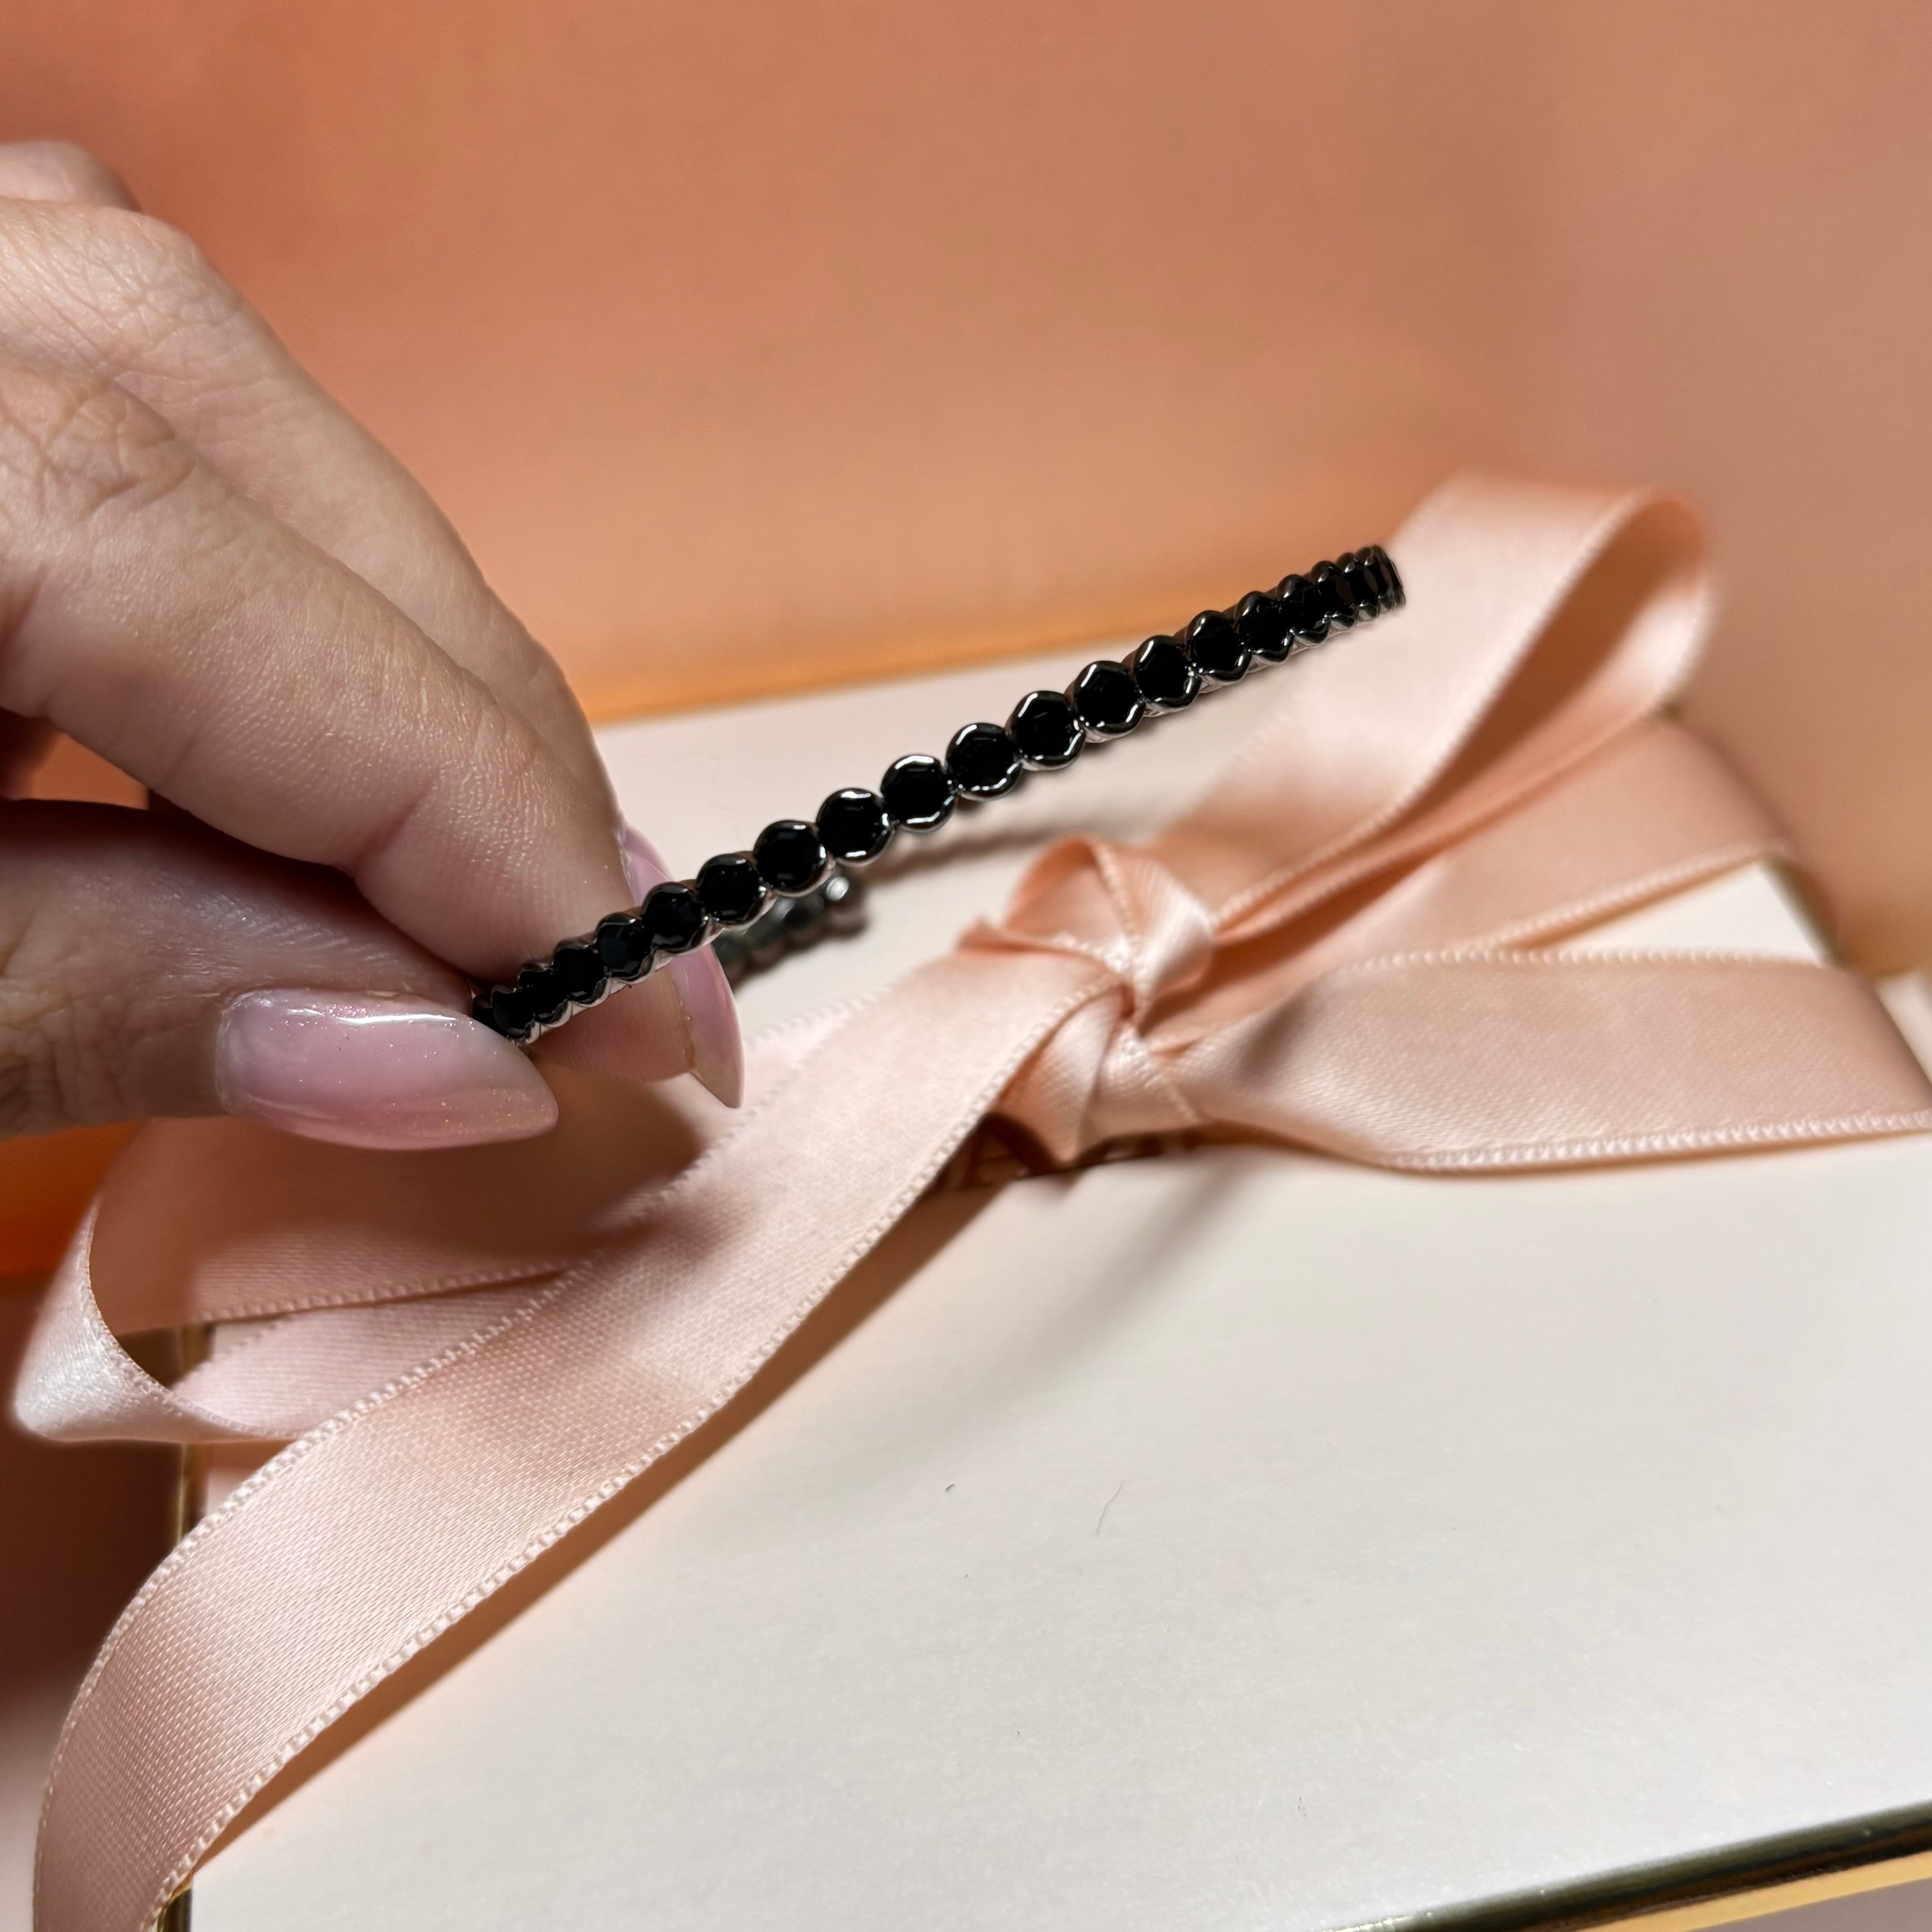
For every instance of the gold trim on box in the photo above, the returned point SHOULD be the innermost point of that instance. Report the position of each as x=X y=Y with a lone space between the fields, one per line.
x=1731 y=1883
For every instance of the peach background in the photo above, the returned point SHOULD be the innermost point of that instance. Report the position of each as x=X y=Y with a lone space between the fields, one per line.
x=755 y=344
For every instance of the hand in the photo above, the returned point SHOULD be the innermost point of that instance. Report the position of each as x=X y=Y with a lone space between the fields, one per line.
x=368 y=780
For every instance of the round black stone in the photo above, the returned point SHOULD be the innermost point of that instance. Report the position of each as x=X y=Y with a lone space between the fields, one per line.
x=579 y=971
x=1362 y=584
x=544 y=995
x=1107 y=699
x=917 y=793
x=622 y=945
x=1045 y=729
x=1391 y=576
x=855 y=825
x=1164 y=675
x=729 y=888
x=1216 y=648
x=1337 y=598
x=1305 y=608
x=673 y=920
x=791 y=856
x=1263 y=625
x=511 y=1012
x=983 y=761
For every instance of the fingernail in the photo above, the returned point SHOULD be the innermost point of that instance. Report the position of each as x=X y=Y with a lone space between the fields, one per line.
x=368 y=1072
x=710 y=1012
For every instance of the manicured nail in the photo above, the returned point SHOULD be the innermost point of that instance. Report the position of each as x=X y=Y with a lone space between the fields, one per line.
x=710 y=1012
x=374 y=1073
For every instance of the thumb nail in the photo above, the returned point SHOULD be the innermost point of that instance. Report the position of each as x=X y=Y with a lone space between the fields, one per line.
x=710 y=1012
x=368 y=1072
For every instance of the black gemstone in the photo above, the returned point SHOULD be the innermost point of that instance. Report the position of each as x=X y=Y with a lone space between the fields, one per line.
x=1371 y=561
x=1164 y=675
x=855 y=825
x=580 y=972
x=1337 y=598
x=482 y=1012
x=672 y=918
x=1263 y=625
x=1392 y=577
x=791 y=856
x=1107 y=699
x=622 y=945
x=538 y=985
x=917 y=792
x=983 y=761
x=729 y=888
x=512 y=1012
x=1306 y=609
x=1361 y=586
x=1044 y=727
x=1216 y=648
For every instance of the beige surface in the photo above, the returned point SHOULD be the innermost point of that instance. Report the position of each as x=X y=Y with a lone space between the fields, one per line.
x=752 y=344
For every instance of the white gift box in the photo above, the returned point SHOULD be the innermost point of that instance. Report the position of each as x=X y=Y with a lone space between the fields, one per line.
x=1230 y=1538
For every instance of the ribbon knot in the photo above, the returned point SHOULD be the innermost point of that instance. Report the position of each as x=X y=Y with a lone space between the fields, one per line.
x=1098 y=1077
x=1353 y=943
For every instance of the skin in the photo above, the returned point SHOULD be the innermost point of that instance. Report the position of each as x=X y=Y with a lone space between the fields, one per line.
x=366 y=776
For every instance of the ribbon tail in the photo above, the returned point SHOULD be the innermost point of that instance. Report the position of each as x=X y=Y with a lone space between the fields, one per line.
x=1500 y=1061
x=369 y=1537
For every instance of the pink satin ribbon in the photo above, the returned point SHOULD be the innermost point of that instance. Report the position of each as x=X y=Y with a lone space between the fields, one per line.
x=1344 y=946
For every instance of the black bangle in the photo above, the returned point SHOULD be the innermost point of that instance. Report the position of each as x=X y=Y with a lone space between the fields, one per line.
x=732 y=898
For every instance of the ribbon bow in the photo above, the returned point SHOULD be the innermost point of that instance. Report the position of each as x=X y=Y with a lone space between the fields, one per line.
x=1350 y=944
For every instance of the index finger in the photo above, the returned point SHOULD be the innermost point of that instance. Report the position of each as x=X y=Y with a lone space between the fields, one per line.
x=90 y=285
x=176 y=627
